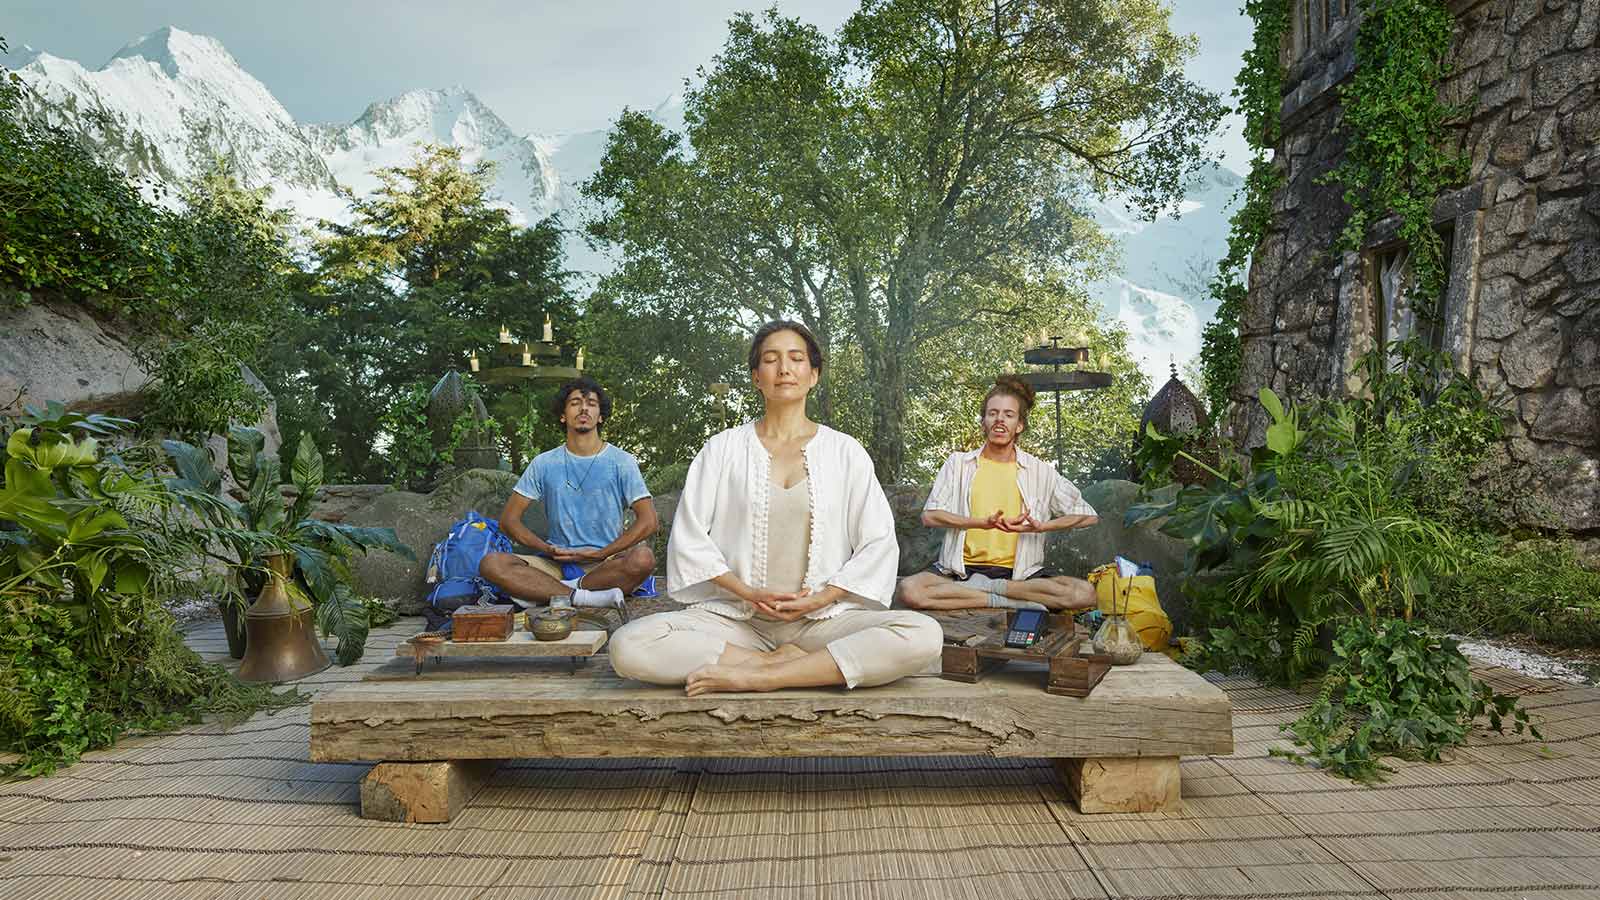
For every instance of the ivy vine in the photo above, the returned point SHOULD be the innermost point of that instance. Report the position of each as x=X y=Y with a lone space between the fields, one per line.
x=1259 y=90
x=1395 y=162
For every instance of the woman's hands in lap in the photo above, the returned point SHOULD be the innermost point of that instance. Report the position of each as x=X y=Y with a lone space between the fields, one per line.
x=787 y=607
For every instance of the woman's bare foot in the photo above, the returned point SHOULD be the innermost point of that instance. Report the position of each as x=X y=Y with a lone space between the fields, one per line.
x=726 y=679
x=781 y=654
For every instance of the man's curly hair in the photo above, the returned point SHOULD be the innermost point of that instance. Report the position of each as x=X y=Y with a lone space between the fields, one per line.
x=1011 y=386
x=586 y=385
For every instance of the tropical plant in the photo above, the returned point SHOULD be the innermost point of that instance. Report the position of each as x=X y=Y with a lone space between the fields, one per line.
x=263 y=523
x=1316 y=562
x=90 y=545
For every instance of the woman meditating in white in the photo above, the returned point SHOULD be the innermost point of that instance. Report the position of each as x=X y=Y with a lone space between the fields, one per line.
x=783 y=549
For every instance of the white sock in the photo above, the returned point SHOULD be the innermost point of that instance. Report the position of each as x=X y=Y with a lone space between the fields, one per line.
x=610 y=598
x=572 y=583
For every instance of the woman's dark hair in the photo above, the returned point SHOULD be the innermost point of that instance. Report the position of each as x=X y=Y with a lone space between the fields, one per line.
x=813 y=349
x=583 y=384
x=1011 y=386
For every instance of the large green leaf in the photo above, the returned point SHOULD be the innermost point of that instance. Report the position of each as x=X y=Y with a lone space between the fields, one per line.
x=344 y=616
x=194 y=466
x=306 y=472
x=353 y=537
x=244 y=446
x=320 y=570
x=1273 y=405
x=89 y=523
x=266 y=501
x=94 y=569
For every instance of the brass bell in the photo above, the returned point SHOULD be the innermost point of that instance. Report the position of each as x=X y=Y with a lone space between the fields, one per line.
x=280 y=641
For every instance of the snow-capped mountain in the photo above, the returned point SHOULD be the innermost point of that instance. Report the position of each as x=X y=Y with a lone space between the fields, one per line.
x=387 y=134
x=1160 y=295
x=168 y=105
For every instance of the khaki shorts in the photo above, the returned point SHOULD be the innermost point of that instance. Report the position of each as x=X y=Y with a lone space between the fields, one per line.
x=552 y=568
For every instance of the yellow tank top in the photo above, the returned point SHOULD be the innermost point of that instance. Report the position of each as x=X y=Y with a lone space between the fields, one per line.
x=993 y=487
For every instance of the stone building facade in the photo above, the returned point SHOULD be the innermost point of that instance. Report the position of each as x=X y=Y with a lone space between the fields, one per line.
x=1521 y=310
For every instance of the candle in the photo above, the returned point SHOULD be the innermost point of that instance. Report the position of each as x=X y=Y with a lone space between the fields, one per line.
x=580 y=358
x=548 y=334
x=527 y=357
x=505 y=336
x=473 y=361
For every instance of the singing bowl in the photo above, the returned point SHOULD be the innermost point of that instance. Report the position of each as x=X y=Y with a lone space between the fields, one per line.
x=551 y=624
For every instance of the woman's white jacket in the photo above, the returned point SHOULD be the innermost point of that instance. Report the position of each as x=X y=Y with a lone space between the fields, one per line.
x=721 y=523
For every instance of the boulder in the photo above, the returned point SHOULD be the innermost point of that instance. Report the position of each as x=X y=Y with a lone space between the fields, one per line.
x=919 y=546
x=58 y=351
x=1076 y=552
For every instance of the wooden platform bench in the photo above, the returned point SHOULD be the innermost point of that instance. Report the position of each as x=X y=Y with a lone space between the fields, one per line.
x=439 y=736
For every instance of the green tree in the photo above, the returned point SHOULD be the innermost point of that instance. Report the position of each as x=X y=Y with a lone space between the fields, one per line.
x=909 y=181
x=429 y=268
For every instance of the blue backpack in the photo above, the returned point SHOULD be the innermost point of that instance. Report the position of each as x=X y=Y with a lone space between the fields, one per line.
x=453 y=568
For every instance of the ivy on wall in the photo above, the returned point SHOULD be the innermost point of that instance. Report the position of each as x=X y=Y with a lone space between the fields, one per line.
x=1395 y=160
x=1259 y=90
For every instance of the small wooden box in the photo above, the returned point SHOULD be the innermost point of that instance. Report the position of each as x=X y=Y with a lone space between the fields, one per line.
x=471 y=624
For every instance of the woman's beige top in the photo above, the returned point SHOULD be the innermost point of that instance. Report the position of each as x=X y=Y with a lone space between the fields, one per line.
x=788 y=536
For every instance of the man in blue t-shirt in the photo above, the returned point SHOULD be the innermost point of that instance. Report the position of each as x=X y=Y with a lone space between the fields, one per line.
x=585 y=484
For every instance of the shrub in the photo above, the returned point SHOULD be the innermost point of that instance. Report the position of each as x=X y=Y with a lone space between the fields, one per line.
x=1319 y=558
x=1395 y=690
x=1536 y=587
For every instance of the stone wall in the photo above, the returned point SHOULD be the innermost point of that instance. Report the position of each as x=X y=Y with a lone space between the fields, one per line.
x=1521 y=312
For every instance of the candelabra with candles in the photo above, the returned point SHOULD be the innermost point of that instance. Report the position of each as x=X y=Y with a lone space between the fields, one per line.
x=513 y=361
x=535 y=366
x=1050 y=352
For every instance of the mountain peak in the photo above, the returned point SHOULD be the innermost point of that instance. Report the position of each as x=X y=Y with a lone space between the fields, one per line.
x=19 y=56
x=175 y=50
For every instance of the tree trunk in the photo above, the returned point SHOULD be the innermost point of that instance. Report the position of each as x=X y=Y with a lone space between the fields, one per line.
x=888 y=445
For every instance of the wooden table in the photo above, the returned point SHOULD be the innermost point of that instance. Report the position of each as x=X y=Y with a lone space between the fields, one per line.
x=438 y=736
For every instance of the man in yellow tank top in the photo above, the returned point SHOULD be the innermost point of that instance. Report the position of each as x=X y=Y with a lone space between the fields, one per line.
x=996 y=504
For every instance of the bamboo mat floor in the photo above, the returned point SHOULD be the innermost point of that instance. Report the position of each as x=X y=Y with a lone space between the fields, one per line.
x=240 y=812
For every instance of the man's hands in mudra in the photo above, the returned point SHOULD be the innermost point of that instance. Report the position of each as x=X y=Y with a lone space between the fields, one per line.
x=1022 y=523
x=577 y=554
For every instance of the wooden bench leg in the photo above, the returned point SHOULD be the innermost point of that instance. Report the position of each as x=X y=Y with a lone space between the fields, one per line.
x=1123 y=784
x=424 y=791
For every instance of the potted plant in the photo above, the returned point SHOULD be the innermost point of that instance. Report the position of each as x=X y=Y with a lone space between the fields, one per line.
x=262 y=523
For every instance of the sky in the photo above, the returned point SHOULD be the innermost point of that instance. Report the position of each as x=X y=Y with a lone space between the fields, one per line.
x=546 y=66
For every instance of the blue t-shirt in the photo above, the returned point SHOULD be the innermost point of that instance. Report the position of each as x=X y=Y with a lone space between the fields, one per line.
x=584 y=496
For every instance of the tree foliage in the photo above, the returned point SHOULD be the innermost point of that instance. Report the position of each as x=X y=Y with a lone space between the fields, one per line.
x=911 y=181
x=430 y=268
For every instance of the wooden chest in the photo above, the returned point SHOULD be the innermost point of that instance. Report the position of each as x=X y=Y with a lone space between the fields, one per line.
x=481 y=623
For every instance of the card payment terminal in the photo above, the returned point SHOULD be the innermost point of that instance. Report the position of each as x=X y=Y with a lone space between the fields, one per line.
x=1026 y=628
